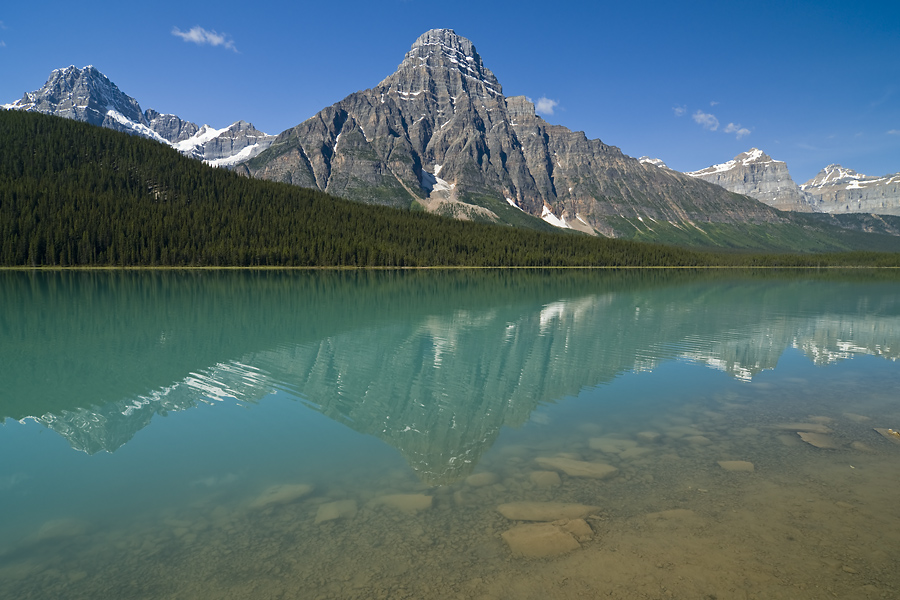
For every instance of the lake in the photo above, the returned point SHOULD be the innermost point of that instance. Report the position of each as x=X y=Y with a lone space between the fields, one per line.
x=464 y=434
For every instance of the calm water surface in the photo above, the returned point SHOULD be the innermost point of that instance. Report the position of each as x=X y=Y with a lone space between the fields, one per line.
x=466 y=434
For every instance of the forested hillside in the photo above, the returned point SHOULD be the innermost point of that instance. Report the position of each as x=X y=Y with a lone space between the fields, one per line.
x=72 y=194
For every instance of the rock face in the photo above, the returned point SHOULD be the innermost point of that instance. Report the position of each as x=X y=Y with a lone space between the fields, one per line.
x=755 y=174
x=839 y=190
x=88 y=95
x=439 y=132
x=834 y=190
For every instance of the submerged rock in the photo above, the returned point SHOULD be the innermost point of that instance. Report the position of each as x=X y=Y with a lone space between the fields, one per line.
x=281 y=494
x=648 y=436
x=818 y=440
x=807 y=427
x=577 y=468
x=578 y=528
x=544 y=511
x=538 y=540
x=545 y=479
x=340 y=509
x=481 y=479
x=890 y=434
x=61 y=528
x=611 y=445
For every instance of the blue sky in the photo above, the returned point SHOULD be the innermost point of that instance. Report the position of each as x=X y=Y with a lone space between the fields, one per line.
x=694 y=84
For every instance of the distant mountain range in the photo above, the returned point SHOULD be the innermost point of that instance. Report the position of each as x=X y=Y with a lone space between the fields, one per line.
x=439 y=135
x=834 y=190
x=88 y=95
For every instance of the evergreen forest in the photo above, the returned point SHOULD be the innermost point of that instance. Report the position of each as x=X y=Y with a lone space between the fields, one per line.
x=72 y=194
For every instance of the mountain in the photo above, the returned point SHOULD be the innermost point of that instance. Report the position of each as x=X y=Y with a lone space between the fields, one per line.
x=755 y=174
x=439 y=133
x=840 y=190
x=834 y=190
x=88 y=95
x=656 y=162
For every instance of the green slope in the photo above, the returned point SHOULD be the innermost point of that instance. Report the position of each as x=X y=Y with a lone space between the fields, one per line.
x=75 y=194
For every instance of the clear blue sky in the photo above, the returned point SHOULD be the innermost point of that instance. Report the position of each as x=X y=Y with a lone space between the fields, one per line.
x=692 y=83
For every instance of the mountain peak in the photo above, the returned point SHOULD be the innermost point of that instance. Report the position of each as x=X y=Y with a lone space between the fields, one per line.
x=833 y=174
x=437 y=54
x=751 y=156
x=83 y=94
x=88 y=95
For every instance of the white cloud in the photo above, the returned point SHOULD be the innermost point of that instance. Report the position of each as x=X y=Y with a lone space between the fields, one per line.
x=2 y=44
x=706 y=120
x=894 y=132
x=736 y=129
x=201 y=36
x=545 y=105
x=713 y=102
x=679 y=111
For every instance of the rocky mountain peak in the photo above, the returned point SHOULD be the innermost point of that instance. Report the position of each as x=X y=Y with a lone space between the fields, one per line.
x=754 y=173
x=833 y=175
x=656 y=162
x=438 y=133
x=83 y=94
x=88 y=95
x=442 y=55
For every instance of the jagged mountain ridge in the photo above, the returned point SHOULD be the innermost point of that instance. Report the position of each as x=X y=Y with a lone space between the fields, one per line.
x=88 y=95
x=840 y=190
x=440 y=133
x=754 y=173
x=833 y=190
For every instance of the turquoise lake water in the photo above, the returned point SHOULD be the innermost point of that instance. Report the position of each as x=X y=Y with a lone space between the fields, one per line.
x=293 y=434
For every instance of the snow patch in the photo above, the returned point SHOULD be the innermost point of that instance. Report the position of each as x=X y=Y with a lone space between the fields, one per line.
x=245 y=154
x=136 y=127
x=204 y=134
x=430 y=182
x=513 y=204
x=548 y=216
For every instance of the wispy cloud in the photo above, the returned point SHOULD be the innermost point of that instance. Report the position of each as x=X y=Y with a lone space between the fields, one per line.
x=2 y=44
x=201 y=36
x=545 y=105
x=679 y=111
x=706 y=120
x=737 y=130
x=713 y=102
x=894 y=132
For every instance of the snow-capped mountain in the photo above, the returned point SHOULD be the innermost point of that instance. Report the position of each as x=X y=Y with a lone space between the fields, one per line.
x=656 y=162
x=754 y=173
x=834 y=190
x=439 y=133
x=88 y=95
x=840 y=190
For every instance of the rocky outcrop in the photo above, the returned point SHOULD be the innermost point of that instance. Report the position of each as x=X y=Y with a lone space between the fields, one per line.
x=755 y=174
x=440 y=132
x=834 y=190
x=88 y=95
x=839 y=190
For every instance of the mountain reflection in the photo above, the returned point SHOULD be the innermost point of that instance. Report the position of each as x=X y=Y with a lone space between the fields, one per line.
x=433 y=363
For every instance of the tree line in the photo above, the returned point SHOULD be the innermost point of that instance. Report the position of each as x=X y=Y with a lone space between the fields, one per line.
x=72 y=194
